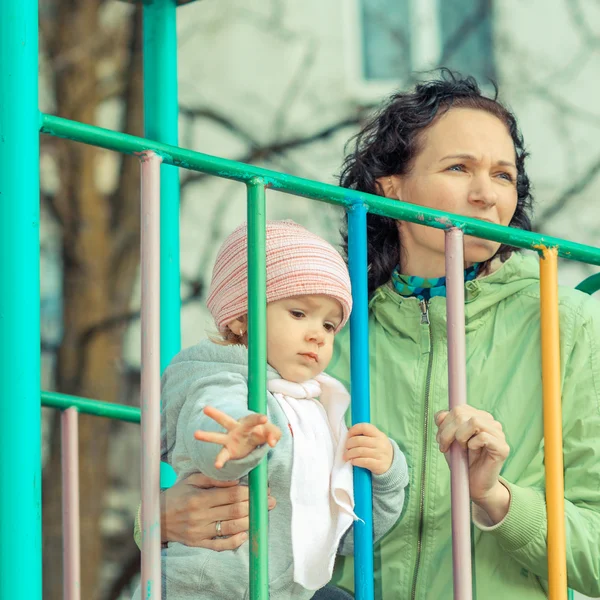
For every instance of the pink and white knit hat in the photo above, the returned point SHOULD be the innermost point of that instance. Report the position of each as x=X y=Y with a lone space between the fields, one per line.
x=299 y=263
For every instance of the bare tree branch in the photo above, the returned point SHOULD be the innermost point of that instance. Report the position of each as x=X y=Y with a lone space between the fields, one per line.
x=264 y=152
x=131 y=96
x=564 y=107
x=215 y=233
x=573 y=190
x=224 y=121
x=297 y=81
x=48 y=347
x=579 y=20
x=48 y=200
x=129 y=570
x=196 y=291
x=103 y=43
x=468 y=25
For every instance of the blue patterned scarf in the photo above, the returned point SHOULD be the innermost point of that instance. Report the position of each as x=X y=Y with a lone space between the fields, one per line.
x=425 y=288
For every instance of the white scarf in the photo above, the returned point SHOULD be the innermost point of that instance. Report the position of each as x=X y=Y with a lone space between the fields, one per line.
x=322 y=491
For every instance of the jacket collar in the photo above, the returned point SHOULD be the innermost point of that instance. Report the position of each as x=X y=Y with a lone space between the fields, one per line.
x=502 y=280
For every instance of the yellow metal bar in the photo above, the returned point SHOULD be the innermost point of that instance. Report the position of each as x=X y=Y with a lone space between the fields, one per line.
x=555 y=484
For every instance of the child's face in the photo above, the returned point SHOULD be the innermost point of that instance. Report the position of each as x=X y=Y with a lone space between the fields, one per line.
x=300 y=334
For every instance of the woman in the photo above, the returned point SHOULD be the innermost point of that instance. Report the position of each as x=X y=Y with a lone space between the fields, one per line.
x=446 y=146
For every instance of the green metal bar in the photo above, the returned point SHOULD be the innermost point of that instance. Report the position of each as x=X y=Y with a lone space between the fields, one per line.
x=91 y=407
x=317 y=191
x=590 y=285
x=257 y=383
x=160 y=124
x=20 y=418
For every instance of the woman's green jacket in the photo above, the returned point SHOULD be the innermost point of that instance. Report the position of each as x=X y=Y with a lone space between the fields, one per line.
x=409 y=384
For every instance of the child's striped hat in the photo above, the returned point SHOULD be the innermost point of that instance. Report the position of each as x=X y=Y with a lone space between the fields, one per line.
x=299 y=263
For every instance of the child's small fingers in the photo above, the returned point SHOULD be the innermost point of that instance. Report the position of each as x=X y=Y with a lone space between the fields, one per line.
x=210 y=436
x=361 y=441
x=363 y=429
x=360 y=453
x=273 y=434
x=223 y=456
x=253 y=420
x=220 y=417
x=366 y=463
x=274 y=430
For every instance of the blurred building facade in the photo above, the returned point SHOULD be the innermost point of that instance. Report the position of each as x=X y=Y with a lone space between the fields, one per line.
x=285 y=84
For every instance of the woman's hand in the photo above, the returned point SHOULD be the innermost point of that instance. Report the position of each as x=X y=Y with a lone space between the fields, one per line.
x=191 y=509
x=482 y=436
x=369 y=448
x=242 y=436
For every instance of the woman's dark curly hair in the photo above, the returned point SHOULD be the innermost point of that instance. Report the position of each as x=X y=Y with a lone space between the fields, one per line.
x=388 y=144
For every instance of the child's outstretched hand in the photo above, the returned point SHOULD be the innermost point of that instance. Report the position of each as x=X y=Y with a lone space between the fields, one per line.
x=369 y=448
x=242 y=436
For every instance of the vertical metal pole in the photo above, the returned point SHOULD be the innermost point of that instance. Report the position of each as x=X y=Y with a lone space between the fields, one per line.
x=20 y=418
x=457 y=392
x=359 y=376
x=150 y=392
x=257 y=384
x=160 y=124
x=70 y=504
x=553 y=443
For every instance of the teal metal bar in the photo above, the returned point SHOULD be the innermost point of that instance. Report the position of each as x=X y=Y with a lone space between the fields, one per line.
x=90 y=407
x=590 y=285
x=257 y=383
x=160 y=124
x=161 y=112
x=323 y=192
x=20 y=418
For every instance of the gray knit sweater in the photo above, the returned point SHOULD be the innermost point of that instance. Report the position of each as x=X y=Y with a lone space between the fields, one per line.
x=208 y=373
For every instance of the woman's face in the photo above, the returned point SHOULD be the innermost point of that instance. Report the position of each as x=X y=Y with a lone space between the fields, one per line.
x=466 y=166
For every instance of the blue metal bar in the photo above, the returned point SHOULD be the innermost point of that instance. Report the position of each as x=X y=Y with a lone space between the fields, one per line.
x=359 y=377
x=160 y=124
x=20 y=419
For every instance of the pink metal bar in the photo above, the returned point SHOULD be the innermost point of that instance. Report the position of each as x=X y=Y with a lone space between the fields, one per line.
x=70 y=504
x=150 y=388
x=457 y=392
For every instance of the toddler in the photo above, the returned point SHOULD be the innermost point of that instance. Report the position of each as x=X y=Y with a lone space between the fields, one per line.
x=207 y=426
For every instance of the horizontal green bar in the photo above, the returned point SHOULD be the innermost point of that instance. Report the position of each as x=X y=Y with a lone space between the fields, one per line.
x=91 y=407
x=590 y=285
x=323 y=192
x=483 y=229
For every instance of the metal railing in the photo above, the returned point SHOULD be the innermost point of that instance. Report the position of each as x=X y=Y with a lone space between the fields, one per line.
x=20 y=501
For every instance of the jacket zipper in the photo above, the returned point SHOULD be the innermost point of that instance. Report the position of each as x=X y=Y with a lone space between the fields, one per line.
x=424 y=321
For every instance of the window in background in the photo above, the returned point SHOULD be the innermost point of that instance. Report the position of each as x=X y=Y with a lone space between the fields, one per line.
x=390 y=41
